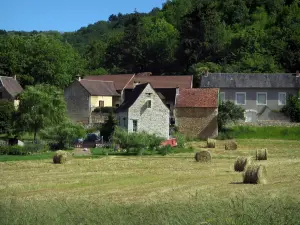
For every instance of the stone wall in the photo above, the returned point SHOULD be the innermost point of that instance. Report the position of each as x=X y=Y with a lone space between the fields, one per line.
x=273 y=123
x=77 y=99
x=154 y=120
x=197 y=122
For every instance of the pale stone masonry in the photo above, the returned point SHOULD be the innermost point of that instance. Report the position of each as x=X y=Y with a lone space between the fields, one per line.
x=143 y=110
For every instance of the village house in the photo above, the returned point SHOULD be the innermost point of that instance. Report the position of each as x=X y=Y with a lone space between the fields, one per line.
x=143 y=110
x=85 y=96
x=196 y=112
x=261 y=95
x=9 y=89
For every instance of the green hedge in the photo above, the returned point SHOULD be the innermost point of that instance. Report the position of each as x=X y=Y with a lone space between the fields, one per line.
x=27 y=149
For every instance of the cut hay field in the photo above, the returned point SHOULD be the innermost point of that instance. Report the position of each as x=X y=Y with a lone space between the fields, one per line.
x=154 y=190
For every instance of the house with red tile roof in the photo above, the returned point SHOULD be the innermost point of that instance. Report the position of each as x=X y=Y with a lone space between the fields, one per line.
x=196 y=112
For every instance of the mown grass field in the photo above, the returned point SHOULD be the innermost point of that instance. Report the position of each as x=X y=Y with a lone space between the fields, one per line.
x=173 y=189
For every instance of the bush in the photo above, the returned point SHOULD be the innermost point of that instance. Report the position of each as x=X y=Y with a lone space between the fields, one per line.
x=108 y=127
x=292 y=109
x=165 y=150
x=229 y=112
x=135 y=142
x=180 y=139
x=101 y=151
x=7 y=111
x=13 y=150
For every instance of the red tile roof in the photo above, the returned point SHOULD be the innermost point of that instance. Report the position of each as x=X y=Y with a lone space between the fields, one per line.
x=127 y=80
x=99 y=88
x=120 y=80
x=197 y=98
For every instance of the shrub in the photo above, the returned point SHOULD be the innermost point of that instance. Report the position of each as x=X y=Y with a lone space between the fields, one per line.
x=229 y=112
x=7 y=111
x=292 y=108
x=28 y=148
x=61 y=157
x=108 y=127
x=135 y=142
x=165 y=150
x=180 y=139
x=63 y=134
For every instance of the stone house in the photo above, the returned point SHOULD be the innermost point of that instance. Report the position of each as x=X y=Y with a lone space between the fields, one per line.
x=84 y=96
x=9 y=89
x=143 y=110
x=261 y=95
x=196 y=112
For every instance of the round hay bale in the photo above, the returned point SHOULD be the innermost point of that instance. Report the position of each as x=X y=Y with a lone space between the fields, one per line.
x=262 y=154
x=255 y=174
x=242 y=163
x=211 y=143
x=231 y=145
x=203 y=156
x=61 y=157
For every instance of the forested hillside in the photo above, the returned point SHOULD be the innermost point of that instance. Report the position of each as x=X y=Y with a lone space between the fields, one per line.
x=184 y=36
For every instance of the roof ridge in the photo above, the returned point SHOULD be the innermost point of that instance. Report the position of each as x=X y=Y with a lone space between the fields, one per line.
x=98 y=80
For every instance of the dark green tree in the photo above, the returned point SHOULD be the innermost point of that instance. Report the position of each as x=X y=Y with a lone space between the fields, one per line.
x=7 y=111
x=229 y=112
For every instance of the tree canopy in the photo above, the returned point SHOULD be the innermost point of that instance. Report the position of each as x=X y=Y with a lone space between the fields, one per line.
x=230 y=35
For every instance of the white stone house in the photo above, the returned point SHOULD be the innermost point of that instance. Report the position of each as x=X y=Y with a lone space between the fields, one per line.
x=143 y=110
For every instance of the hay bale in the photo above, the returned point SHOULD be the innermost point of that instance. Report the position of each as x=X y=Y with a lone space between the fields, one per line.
x=242 y=163
x=203 y=156
x=255 y=174
x=211 y=143
x=262 y=154
x=61 y=157
x=231 y=145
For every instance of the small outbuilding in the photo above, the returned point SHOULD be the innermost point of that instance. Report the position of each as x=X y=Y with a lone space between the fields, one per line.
x=196 y=112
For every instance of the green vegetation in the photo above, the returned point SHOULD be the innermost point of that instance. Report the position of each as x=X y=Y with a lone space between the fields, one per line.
x=7 y=111
x=184 y=36
x=154 y=190
x=268 y=132
x=229 y=112
x=292 y=108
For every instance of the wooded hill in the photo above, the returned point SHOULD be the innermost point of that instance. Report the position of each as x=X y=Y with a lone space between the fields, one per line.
x=183 y=37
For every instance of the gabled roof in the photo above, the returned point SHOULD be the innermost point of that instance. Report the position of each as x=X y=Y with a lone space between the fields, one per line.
x=250 y=80
x=181 y=81
x=11 y=85
x=99 y=88
x=132 y=97
x=197 y=98
x=120 y=80
x=127 y=81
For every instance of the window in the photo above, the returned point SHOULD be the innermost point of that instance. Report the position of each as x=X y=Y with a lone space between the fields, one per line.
x=101 y=104
x=261 y=98
x=240 y=98
x=134 y=127
x=281 y=98
x=149 y=104
x=222 y=96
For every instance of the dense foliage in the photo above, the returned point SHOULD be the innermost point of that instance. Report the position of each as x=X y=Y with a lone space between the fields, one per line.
x=229 y=112
x=7 y=111
x=292 y=108
x=181 y=37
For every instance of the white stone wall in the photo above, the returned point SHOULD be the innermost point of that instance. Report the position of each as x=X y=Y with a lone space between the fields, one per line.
x=154 y=120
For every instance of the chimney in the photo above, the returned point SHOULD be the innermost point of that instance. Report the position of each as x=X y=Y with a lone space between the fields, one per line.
x=297 y=73
x=135 y=83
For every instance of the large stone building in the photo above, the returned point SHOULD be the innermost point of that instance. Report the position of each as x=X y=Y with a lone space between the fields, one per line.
x=261 y=95
x=143 y=110
x=196 y=112
x=84 y=96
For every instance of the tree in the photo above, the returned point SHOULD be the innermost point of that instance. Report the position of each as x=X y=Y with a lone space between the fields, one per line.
x=292 y=108
x=108 y=127
x=229 y=112
x=64 y=133
x=7 y=110
x=200 y=68
x=40 y=106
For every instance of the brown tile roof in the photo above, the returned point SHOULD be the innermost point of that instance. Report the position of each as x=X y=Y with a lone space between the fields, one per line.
x=127 y=80
x=99 y=88
x=11 y=85
x=120 y=80
x=183 y=81
x=197 y=98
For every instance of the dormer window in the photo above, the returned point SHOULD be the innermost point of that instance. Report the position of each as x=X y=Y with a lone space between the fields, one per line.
x=149 y=104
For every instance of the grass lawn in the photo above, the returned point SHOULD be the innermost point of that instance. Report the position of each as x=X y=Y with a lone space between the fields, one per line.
x=154 y=189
